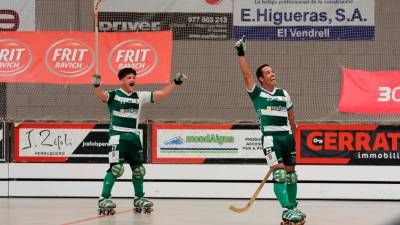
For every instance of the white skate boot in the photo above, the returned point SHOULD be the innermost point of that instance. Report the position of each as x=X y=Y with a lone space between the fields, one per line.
x=106 y=206
x=142 y=205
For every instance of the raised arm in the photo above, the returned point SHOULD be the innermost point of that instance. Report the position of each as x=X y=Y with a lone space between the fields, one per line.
x=166 y=91
x=244 y=66
x=103 y=95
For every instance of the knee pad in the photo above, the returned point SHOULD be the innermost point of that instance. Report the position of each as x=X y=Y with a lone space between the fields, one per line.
x=279 y=175
x=291 y=177
x=117 y=169
x=139 y=172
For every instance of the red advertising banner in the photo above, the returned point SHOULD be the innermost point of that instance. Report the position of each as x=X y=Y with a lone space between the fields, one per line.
x=354 y=144
x=367 y=92
x=69 y=58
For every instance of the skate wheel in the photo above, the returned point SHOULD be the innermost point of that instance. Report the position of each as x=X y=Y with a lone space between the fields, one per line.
x=137 y=210
x=285 y=222
x=98 y=211
x=148 y=210
x=108 y=211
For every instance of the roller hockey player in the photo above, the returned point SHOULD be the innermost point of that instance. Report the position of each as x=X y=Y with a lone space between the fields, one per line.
x=124 y=105
x=274 y=109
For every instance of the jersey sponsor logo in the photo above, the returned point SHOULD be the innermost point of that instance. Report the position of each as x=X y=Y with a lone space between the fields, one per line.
x=129 y=111
x=69 y=58
x=276 y=108
x=15 y=57
x=275 y=111
x=136 y=54
x=124 y=100
x=271 y=98
x=126 y=113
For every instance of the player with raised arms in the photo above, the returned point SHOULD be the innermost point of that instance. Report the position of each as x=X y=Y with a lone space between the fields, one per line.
x=274 y=109
x=124 y=105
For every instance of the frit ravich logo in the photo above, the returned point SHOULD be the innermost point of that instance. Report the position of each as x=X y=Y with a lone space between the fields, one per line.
x=15 y=57
x=135 y=54
x=69 y=58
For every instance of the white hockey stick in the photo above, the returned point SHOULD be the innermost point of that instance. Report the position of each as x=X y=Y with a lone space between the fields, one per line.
x=96 y=33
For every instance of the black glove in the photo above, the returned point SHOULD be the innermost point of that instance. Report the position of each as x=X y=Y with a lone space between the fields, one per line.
x=241 y=46
x=178 y=80
x=96 y=80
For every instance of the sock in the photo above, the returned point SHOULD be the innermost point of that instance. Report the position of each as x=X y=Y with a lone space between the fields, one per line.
x=108 y=184
x=281 y=194
x=292 y=194
x=138 y=186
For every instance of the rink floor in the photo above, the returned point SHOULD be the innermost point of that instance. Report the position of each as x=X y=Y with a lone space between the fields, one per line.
x=45 y=211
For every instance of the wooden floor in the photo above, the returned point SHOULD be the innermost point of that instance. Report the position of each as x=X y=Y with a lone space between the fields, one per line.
x=45 y=211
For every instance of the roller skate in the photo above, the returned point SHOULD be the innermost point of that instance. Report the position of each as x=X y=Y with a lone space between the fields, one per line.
x=300 y=213
x=106 y=207
x=292 y=217
x=142 y=205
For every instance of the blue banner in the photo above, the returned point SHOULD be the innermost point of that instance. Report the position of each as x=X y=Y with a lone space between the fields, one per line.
x=295 y=33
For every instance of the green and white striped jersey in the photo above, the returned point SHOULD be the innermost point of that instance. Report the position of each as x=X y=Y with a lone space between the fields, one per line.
x=272 y=109
x=125 y=109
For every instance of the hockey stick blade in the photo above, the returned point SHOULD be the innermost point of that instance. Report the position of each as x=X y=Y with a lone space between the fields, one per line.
x=253 y=198
x=239 y=210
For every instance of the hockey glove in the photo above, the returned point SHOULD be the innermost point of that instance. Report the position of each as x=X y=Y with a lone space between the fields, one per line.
x=241 y=46
x=178 y=80
x=96 y=80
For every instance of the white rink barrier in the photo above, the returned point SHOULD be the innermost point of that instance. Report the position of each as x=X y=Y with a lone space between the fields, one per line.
x=198 y=181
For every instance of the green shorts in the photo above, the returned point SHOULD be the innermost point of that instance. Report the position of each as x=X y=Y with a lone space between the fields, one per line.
x=129 y=147
x=283 y=146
